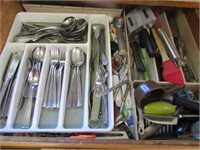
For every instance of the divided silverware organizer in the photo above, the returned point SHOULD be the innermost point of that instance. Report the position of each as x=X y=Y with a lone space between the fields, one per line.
x=62 y=119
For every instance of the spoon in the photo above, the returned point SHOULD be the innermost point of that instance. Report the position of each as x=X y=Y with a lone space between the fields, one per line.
x=75 y=97
x=97 y=33
x=33 y=80
x=69 y=22
x=35 y=34
x=38 y=55
x=25 y=84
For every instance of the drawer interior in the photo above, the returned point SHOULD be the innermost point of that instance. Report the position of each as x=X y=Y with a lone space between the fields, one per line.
x=66 y=119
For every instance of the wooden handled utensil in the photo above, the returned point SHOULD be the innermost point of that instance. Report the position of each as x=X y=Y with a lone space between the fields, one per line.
x=170 y=73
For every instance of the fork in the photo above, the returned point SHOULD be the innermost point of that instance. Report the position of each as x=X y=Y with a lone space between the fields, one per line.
x=60 y=76
x=52 y=96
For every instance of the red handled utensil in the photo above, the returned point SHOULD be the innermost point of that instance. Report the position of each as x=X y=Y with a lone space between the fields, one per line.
x=170 y=73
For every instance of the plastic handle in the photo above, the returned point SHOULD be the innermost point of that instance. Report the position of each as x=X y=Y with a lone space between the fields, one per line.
x=136 y=55
x=192 y=106
x=147 y=42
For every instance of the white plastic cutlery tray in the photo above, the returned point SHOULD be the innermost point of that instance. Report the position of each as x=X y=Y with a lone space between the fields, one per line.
x=61 y=119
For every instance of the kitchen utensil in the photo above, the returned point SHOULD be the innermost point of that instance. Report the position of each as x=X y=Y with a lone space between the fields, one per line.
x=140 y=122
x=187 y=69
x=167 y=119
x=33 y=80
x=38 y=55
x=75 y=97
x=52 y=91
x=60 y=72
x=138 y=21
x=32 y=37
x=147 y=42
x=125 y=96
x=67 y=24
x=171 y=49
x=119 y=26
x=12 y=68
x=170 y=72
x=159 y=108
x=151 y=91
x=139 y=18
x=97 y=31
x=25 y=84
x=150 y=130
x=187 y=104
x=118 y=97
x=114 y=87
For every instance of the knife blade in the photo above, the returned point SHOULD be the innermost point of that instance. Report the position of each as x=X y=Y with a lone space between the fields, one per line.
x=12 y=68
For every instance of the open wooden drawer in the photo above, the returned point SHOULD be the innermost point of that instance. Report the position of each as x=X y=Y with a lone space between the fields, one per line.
x=62 y=142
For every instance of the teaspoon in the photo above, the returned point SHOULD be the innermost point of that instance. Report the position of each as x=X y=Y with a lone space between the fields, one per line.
x=75 y=97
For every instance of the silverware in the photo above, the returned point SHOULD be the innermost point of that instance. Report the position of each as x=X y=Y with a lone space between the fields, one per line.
x=75 y=97
x=97 y=30
x=33 y=80
x=60 y=77
x=119 y=25
x=55 y=56
x=12 y=68
x=113 y=88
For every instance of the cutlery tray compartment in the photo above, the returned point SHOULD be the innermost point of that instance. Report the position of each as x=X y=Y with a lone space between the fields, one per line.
x=62 y=119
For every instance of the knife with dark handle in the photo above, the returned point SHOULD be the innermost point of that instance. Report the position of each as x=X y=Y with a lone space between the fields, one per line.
x=136 y=55
x=147 y=42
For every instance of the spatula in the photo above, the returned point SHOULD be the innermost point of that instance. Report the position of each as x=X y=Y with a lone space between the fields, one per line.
x=170 y=73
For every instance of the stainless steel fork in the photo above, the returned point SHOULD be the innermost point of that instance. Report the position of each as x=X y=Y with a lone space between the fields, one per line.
x=60 y=72
x=52 y=96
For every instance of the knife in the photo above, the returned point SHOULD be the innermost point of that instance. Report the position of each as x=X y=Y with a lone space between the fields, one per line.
x=12 y=68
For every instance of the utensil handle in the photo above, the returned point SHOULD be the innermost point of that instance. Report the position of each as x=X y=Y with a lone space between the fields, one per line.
x=4 y=89
x=192 y=106
x=28 y=111
x=46 y=94
x=136 y=55
x=114 y=87
x=59 y=81
x=120 y=39
x=52 y=89
x=71 y=93
x=103 y=57
x=147 y=42
x=104 y=109
x=7 y=97
x=171 y=49
x=79 y=89
x=140 y=122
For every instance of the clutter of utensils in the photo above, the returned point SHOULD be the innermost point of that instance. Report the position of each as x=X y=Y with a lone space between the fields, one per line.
x=145 y=109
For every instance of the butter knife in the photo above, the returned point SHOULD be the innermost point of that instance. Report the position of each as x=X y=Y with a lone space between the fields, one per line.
x=12 y=68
